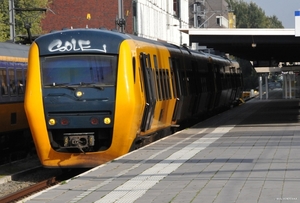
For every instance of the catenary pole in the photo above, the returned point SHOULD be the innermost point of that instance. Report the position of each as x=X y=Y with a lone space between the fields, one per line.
x=12 y=20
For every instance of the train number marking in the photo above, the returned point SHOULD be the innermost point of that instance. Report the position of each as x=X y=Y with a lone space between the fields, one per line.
x=74 y=45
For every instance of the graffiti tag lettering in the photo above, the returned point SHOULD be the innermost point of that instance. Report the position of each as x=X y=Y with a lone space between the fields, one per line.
x=74 y=45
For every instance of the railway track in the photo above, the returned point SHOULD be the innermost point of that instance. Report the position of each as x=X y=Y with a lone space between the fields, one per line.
x=34 y=180
x=29 y=190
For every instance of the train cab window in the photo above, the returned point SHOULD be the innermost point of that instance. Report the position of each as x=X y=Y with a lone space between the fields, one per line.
x=3 y=81
x=79 y=70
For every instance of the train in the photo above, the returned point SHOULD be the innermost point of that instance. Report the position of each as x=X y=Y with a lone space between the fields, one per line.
x=15 y=138
x=93 y=95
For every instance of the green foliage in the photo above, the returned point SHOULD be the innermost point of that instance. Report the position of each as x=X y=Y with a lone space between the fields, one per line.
x=32 y=18
x=252 y=16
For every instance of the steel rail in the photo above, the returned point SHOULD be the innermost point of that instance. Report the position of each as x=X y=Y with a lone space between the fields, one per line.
x=29 y=190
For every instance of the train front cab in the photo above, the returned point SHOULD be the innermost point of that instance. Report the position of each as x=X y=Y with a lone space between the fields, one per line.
x=61 y=116
x=142 y=108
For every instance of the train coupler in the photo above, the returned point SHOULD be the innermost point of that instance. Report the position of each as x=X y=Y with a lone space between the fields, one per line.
x=79 y=141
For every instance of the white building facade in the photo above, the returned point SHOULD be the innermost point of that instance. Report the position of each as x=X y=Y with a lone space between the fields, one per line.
x=161 y=20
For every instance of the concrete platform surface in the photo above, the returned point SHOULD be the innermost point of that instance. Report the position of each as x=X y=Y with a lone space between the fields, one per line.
x=248 y=154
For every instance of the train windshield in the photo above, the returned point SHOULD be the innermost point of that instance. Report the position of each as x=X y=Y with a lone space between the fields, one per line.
x=79 y=70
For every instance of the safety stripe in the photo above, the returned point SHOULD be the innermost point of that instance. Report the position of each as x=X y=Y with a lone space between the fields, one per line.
x=138 y=186
x=90 y=190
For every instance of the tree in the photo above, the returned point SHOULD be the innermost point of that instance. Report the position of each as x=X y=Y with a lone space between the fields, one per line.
x=23 y=16
x=252 y=16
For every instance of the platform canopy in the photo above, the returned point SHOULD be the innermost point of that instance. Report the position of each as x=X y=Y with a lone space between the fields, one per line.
x=273 y=45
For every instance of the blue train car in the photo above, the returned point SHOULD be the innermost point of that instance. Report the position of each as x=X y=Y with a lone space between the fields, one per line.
x=14 y=130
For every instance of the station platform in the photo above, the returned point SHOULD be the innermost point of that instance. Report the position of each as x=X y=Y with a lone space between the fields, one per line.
x=248 y=154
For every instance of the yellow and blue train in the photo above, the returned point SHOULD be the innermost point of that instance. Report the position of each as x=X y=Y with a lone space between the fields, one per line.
x=14 y=129
x=93 y=95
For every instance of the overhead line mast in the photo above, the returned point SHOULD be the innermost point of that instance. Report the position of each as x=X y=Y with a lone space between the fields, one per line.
x=12 y=20
x=12 y=23
x=120 y=21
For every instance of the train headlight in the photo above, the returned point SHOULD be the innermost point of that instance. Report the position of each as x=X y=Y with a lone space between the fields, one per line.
x=78 y=94
x=107 y=120
x=52 y=121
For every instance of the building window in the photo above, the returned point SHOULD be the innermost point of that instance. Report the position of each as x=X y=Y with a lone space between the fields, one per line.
x=176 y=8
x=135 y=21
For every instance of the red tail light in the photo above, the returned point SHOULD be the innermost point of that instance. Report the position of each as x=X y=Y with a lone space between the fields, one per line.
x=64 y=121
x=94 y=121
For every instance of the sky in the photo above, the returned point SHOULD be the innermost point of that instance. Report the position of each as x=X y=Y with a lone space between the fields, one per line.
x=283 y=9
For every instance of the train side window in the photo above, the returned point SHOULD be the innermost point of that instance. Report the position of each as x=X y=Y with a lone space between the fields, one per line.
x=158 y=81
x=20 y=85
x=193 y=78
x=162 y=79
x=148 y=62
x=12 y=82
x=174 y=88
x=166 y=79
x=183 y=82
x=157 y=85
x=141 y=80
x=3 y=80
x=203 y=84
x=189 y=77
x=24 y=78
x=168 y=84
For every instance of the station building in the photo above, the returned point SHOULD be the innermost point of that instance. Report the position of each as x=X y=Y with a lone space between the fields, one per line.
x=153 y=19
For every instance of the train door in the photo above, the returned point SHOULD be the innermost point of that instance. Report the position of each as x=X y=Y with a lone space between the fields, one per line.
x=149 y=87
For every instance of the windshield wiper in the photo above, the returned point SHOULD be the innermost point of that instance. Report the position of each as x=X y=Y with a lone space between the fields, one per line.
x=61 y=85
x=91 y=85
x=98 y=87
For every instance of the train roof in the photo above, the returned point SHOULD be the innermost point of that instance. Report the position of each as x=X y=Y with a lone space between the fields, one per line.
x=13 y=50
x=92 y=40
x=80 y=40
x=101 y=40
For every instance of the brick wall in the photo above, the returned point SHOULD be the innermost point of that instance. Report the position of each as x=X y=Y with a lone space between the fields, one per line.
x=73 y=13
